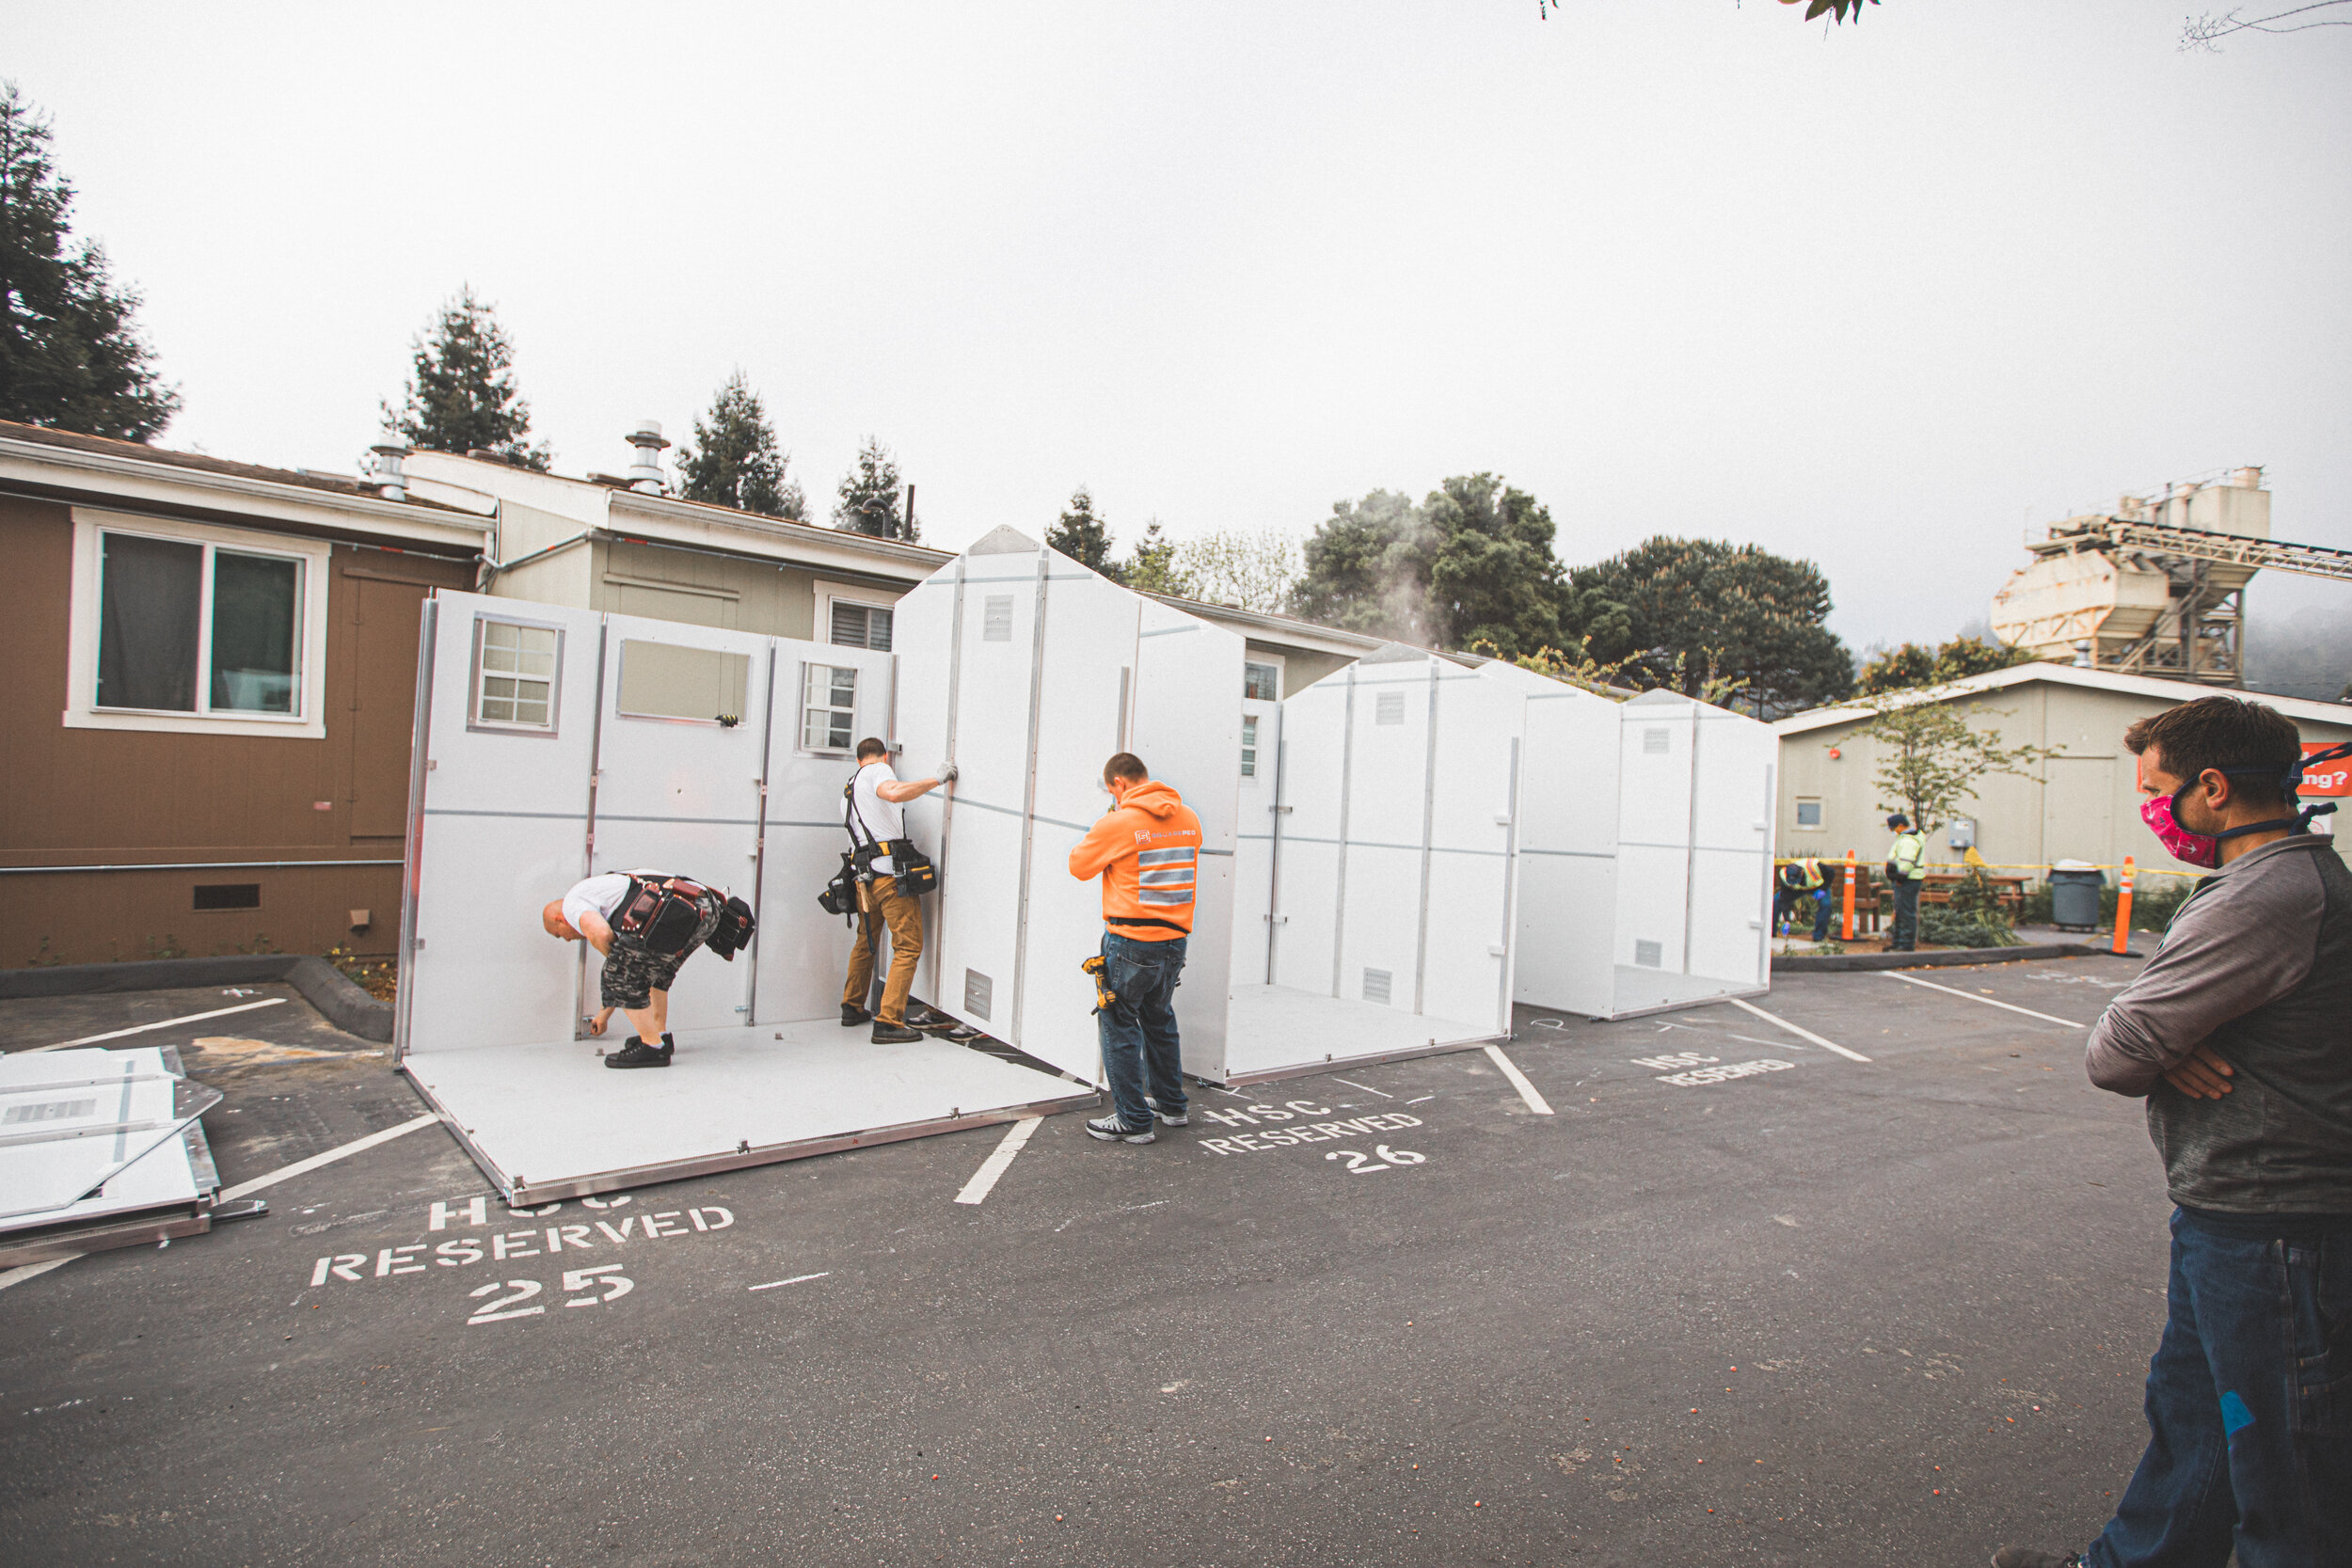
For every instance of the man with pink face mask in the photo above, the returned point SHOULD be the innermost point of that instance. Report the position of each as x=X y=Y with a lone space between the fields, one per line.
x=2238 y=1034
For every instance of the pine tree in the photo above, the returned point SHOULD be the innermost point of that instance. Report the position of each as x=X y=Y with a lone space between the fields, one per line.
x=870 y=496
x=70 y=358
x=1155 y=567
x=735 y=460
x=1083 y=536
x=462 y=397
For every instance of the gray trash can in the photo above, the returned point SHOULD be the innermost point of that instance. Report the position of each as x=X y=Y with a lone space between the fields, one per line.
x=2074 y=898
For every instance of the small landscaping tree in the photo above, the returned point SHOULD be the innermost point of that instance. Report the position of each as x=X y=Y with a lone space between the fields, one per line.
x=1931 y=759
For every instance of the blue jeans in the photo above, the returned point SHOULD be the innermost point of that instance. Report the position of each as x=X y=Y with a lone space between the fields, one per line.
x=1820 y=915
x=2249 y=1406
x=1138 y=1031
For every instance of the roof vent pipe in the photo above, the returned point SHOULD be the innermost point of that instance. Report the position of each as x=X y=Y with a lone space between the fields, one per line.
x=2247 y=479
x=645 y=472
x=391 y=482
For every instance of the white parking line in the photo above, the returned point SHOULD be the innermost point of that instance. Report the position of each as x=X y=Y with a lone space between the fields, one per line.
x=143 y=1028
x=796 y=1280
x=1518 y=1081
x=315 y=1161
x=24 y=1272
x=1366 y=1088
x=999 y=1159
x=1801 y=1033
x=1989 y=1002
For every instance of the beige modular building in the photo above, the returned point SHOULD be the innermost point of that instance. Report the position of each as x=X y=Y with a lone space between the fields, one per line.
x=2082 y=806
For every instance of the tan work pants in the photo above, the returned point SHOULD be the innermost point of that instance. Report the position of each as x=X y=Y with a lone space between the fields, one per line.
x=903 y=915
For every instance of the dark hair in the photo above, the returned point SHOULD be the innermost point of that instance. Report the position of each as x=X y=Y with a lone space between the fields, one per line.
x=2225 y=732
x=869 y=747
x=1125 y=764
x=1898 y=820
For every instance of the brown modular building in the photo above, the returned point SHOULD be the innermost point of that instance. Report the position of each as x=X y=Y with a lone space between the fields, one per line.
x=206 y=748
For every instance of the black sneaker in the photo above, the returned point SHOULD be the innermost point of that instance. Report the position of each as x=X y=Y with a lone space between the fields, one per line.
x=941 y=1027
x=893 y=1034
x=669 y=1046
x=1182 y=1119
x=2031 y=1557
x=638 y=1053
x=1110 y=1130
x=852 y=1015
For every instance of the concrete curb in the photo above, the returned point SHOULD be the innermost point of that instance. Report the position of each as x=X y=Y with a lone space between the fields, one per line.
x=1825 y=964
x=323 y=986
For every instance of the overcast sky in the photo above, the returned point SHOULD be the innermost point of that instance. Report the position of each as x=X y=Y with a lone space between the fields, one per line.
x=1883 y=299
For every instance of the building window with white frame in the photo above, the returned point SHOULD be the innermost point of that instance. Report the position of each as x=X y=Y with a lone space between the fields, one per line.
x=514 y=675
x=1261 y=682
x=1250 y=746
x=1808 y=812
x=860 y=625
x=828 y=707
x=189 y=626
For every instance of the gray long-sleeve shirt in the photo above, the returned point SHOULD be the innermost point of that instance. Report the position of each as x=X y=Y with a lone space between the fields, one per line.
x=2258 y=966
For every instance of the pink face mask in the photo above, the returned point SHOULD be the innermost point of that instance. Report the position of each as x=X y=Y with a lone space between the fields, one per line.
x=2187 y=848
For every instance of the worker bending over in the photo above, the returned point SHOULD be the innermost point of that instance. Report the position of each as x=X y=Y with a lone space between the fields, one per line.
x=1147 y=850
x=1905 y=870
x=646 y=925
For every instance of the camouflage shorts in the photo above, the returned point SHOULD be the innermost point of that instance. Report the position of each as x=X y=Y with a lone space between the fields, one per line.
x=631 y=975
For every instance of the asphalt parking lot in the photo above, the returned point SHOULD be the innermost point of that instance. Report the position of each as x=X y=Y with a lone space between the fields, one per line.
x=1737 y=1299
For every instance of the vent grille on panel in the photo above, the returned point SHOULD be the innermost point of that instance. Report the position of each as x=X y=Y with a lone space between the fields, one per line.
x=1388 y=708
x=1649 y=955
x=1657 y=742
x=996 y=626
x=1377 y=984
x=977 y=988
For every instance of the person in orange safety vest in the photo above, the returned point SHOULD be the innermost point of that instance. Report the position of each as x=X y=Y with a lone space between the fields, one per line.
x=1147 y=851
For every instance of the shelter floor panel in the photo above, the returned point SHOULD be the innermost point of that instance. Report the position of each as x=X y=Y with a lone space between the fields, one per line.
x=1271 y=1028
x=551 y=1114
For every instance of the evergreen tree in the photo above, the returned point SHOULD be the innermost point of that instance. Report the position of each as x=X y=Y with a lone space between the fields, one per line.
x=1698 y=614
x=462 y=397
x=1083 y=536
x=1155 y=567
x=70 y=358
x=870 y=497
x=1367 y=569
x=735 y=460
x=1494 y=579
x=1913 y=664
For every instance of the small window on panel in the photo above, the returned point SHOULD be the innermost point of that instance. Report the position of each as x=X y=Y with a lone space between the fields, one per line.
x=828 y=707
x=1262 y=683
x=666 y=680
x=514 y=675
x=859 y=625
x=1808 y=812
x=1250 y=746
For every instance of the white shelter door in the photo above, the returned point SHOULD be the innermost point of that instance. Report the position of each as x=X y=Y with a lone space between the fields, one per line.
x=679 y=778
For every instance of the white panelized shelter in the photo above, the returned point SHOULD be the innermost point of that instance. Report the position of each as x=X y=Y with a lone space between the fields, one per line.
x=1029 y=671
x=1645 y=850
x=1383 y=871
x=552 y=743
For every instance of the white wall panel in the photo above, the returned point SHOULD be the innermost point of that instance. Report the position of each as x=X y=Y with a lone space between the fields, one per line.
x=1185 y=715
x=503 y=830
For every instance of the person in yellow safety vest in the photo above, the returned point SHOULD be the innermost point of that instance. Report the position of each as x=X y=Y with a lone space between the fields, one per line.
x=1819 y=886
x=1906 y=868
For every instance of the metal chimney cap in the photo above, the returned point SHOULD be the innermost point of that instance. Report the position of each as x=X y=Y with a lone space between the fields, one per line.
x=648 y=432
x=394 y=450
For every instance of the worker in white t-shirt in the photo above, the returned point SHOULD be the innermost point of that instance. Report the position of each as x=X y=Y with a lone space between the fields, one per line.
x=873 y=810
x=634 y=981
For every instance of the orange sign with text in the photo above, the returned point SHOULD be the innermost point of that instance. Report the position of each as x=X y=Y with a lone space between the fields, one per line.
x=2331 y=778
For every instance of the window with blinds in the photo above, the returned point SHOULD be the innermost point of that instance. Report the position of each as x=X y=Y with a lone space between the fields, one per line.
x=861 y=625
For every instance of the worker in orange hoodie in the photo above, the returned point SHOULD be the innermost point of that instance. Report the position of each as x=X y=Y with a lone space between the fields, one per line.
x=1147 y=850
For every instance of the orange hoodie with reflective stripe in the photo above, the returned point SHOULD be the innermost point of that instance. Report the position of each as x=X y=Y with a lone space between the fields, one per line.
x=1147 y=853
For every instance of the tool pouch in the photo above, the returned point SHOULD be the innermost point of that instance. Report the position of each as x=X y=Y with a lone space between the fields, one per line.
x=916 y=875
x=736 y=927
x=662 y=916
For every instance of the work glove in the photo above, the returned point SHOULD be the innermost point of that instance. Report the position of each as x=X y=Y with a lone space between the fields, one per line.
x=946 y=773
